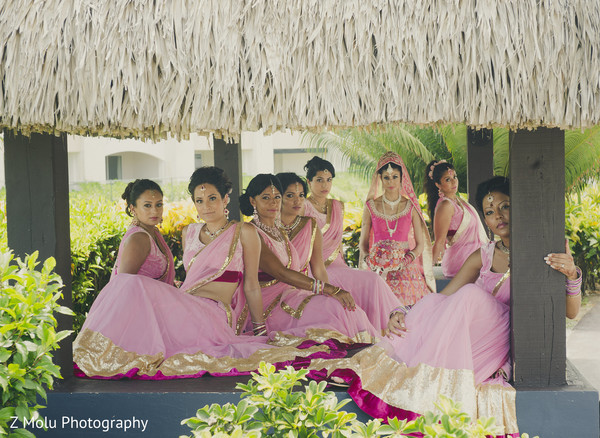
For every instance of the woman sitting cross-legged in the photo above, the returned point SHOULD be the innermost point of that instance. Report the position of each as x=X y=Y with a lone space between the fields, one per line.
x=456 y=342
x=142 y=328
x=293 y=303
x=369 y=290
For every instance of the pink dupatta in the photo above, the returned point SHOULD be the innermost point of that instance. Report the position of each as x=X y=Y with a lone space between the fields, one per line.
x=426 y=259
x=210 y=261
x=469 y=237
x=303 y=239
x=332 y=228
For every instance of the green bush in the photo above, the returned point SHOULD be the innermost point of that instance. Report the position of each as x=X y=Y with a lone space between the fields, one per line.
x=583 y=231
x=27 y=337
x=270 y=407
x=97 y=227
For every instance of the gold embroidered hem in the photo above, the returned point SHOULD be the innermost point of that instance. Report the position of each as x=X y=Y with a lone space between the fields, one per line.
x=97 y=355
x=296 y=313
x=417 y=388
x=319 y=335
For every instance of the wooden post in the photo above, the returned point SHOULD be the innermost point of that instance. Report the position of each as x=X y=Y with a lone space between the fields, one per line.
x=480 y=159
x=37 y=212
x=538 y=340
x=228 y=156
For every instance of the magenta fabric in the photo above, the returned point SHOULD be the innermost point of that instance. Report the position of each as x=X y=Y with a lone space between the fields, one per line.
x=466 y=330
x=159 y=264
x=370 y=292
x=468 y=240
x=402 y=223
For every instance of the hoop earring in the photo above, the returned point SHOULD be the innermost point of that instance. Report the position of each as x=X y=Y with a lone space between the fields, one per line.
x=226 y=211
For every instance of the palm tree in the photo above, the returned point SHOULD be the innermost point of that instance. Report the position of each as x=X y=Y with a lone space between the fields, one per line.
x=419 y=145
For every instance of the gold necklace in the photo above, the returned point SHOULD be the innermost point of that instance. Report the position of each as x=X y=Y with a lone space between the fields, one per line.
x=500 y=245
x=216 y=233
x=289 y=228
x=322 y=208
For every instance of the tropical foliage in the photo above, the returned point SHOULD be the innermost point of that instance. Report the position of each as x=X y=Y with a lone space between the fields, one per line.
x=271 y=407
x=583 y=231
x=417 y=146
x=28 y=303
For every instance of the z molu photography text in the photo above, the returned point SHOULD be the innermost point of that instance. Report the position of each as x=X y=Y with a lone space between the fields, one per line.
x=70 y=422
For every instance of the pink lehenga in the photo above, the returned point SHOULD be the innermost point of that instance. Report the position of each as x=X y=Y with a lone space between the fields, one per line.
x=388 y=245
x=294 y=314
x=141 y=328
x=465 y=235
x=369 y=290
x=455 y=345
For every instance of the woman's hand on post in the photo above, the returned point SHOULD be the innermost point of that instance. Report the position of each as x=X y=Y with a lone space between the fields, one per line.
x=563 y=262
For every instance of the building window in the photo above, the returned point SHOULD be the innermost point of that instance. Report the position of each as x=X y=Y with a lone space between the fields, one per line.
x=197 y=160
x=113 y=167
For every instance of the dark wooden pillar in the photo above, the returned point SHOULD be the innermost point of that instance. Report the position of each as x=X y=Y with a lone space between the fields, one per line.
x=480 y=159
x=228 y=156
x=37 y=212
x=537 y=169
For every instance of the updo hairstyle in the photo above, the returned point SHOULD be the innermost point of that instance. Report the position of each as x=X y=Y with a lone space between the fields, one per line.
x=255 y=187
x=289 y=178
x=496 y=184
x=135 y=189
x=316 y=164
x=210 y=175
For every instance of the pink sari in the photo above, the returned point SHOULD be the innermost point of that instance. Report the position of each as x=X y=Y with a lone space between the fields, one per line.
x=292 y=313
x=141 y=328
x=369 y=290
x=465 y=358
x=159 y=263
x=463 y=238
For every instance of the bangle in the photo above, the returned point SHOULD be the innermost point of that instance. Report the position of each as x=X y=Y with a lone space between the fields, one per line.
x=259 y=328
x=412 y=255
x=403 y=309
x=574 y=286
x=337 y=290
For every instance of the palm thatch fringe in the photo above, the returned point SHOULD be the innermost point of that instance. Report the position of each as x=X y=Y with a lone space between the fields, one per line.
x=147 y=68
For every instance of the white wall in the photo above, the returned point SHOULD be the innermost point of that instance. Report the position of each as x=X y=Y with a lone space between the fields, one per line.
x=171 y=159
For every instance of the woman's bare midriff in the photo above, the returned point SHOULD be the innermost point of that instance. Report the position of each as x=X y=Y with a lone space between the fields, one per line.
x=217 y=291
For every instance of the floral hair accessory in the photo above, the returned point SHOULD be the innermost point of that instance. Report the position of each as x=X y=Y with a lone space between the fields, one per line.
x=433 y=167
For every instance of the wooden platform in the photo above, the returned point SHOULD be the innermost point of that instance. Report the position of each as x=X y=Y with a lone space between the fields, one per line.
x=85 y=408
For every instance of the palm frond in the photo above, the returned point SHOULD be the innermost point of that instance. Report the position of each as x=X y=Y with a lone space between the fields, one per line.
x=582 y=157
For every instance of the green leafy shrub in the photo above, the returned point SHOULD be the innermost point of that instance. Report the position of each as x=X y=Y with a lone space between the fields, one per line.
x=97 y=227
x=270 y=407
x=27 y=336
x=583 y=231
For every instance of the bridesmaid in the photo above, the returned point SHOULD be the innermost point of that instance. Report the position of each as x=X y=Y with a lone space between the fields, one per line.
x=394 y=240
x=457 y=228
x=141 y=328
x=368 y=289
x=294 y=303
x=457 y=342
x=143 y=250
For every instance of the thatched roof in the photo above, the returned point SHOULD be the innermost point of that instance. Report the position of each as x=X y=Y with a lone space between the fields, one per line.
x=144 y=68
